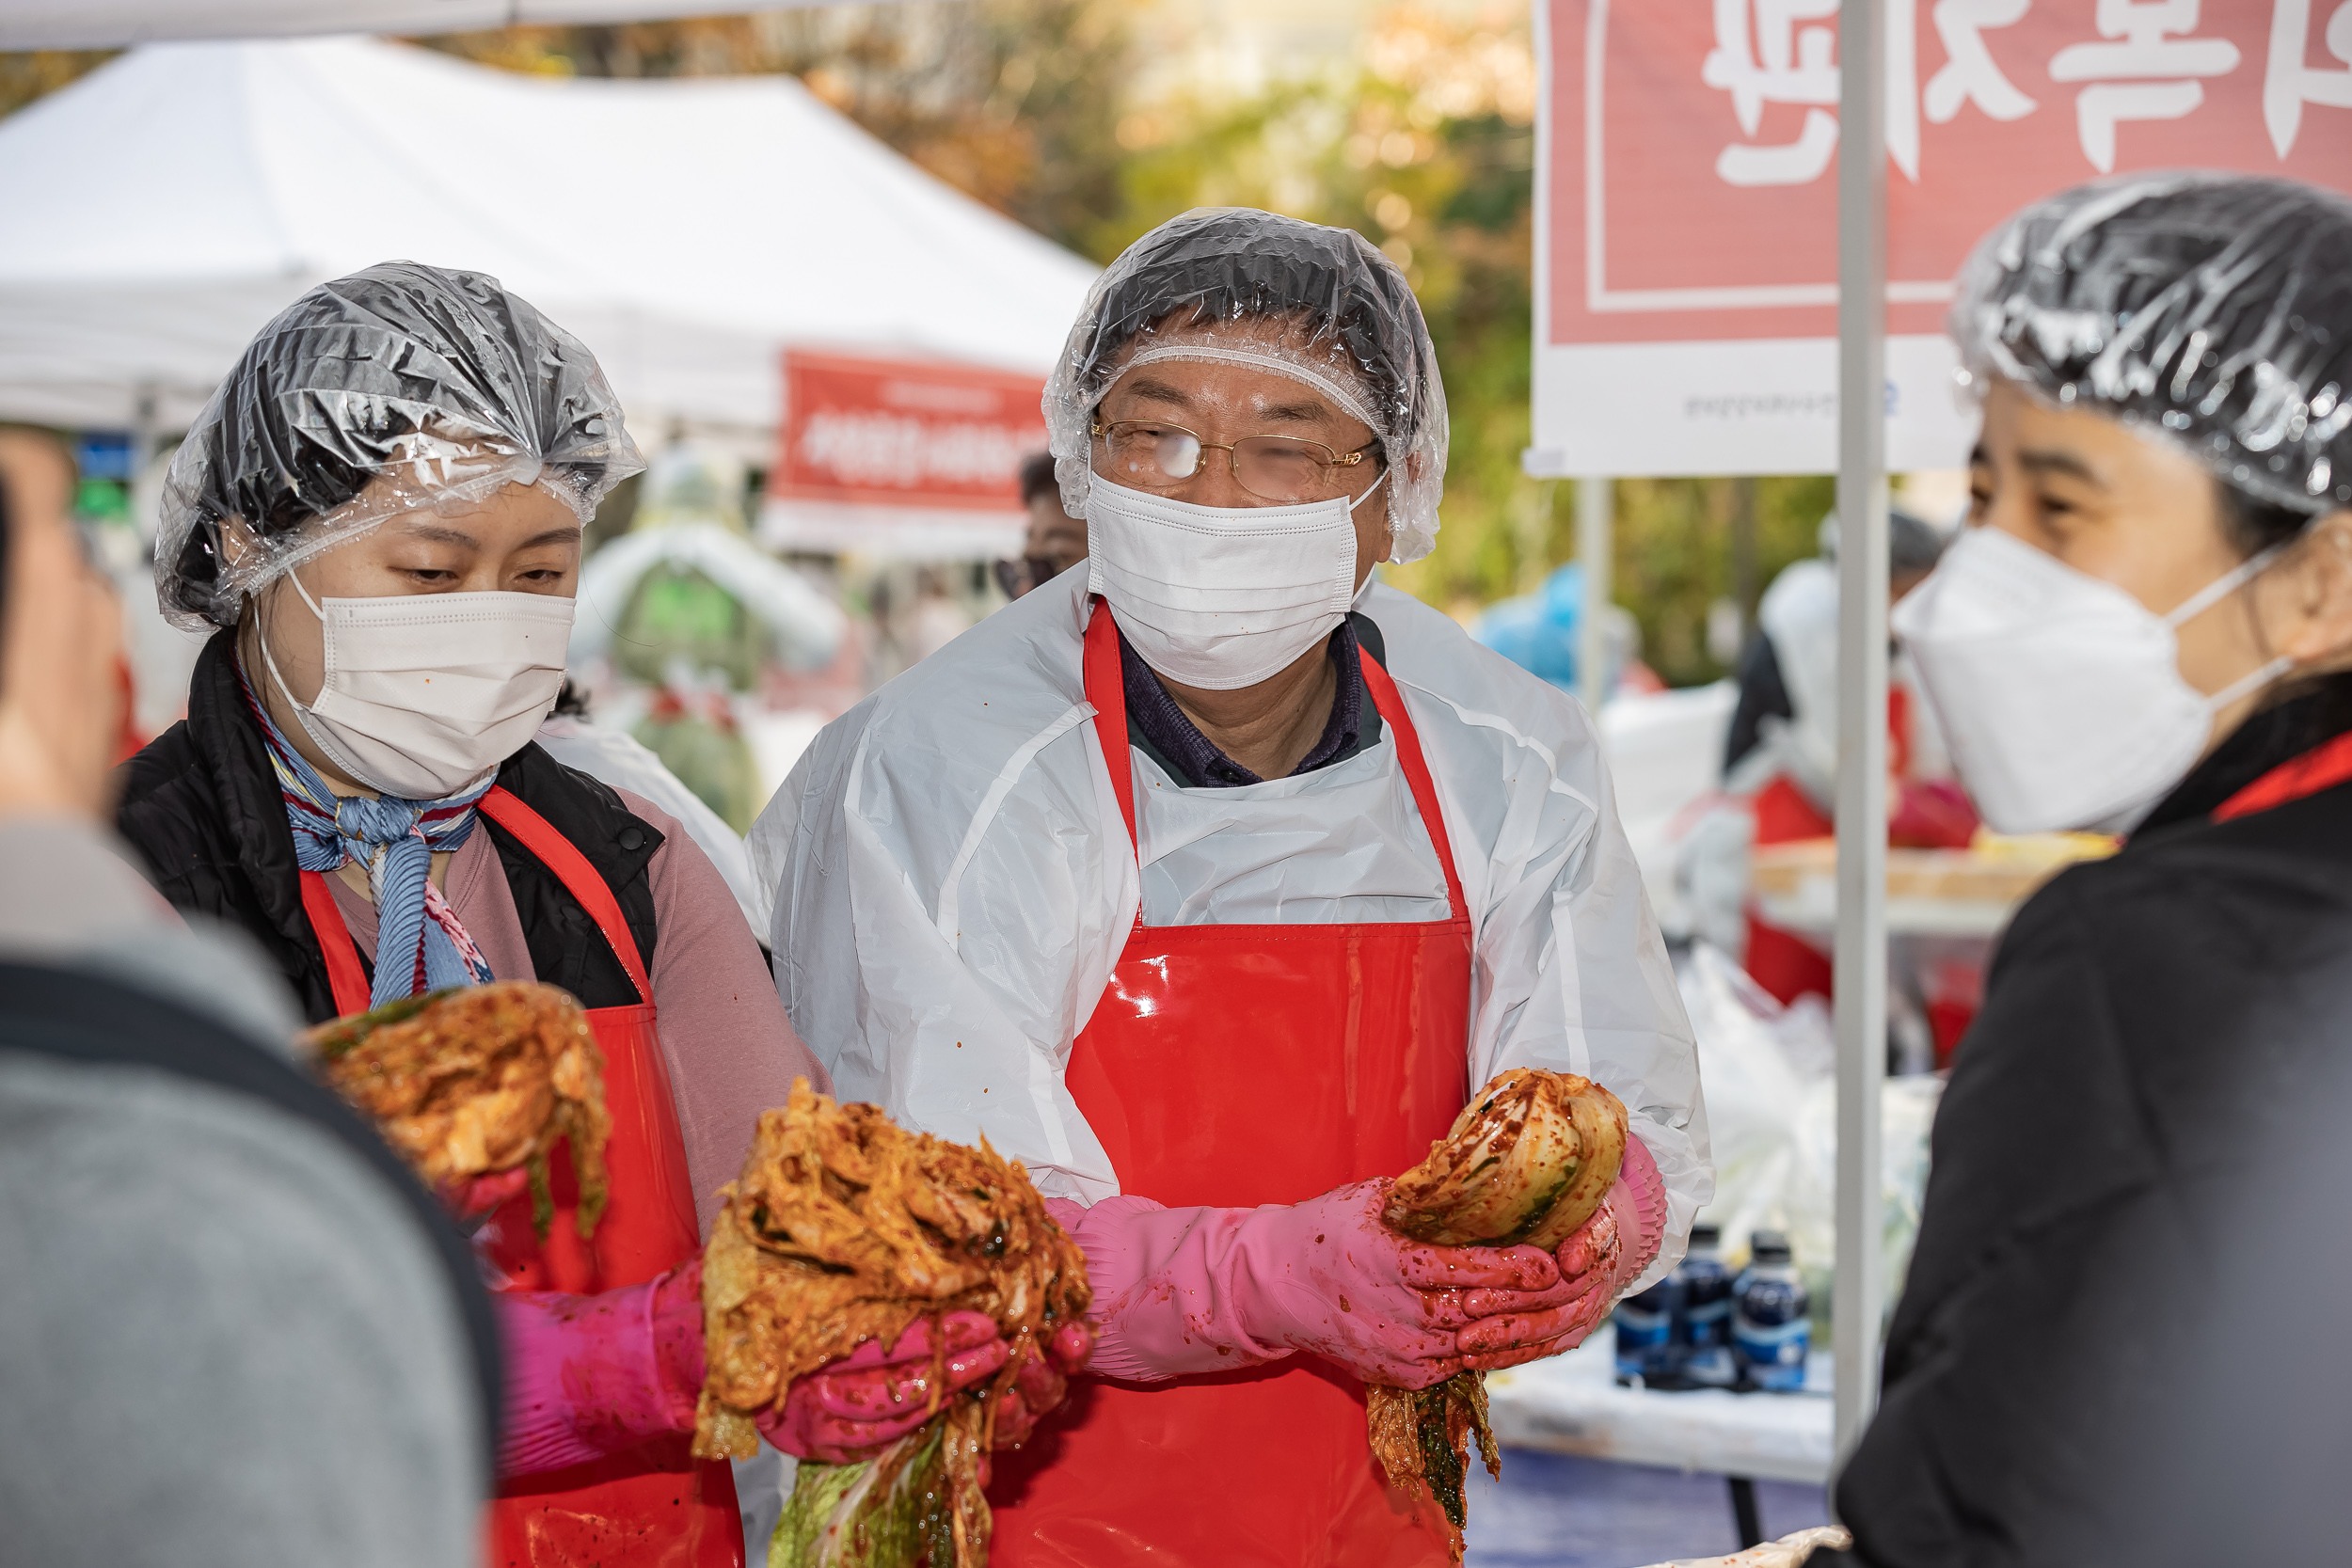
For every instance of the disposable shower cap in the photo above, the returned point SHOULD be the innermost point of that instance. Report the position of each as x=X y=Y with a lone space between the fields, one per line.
x=2213 y=310
x=397 y=388
x=1320 y=304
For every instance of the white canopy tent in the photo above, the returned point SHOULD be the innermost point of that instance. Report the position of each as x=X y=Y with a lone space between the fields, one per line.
x=110 y=24
x=166 y=206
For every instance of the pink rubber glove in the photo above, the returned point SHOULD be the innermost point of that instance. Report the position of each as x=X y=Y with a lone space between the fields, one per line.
x=1041 y=1384
x=852 y=1406
x=1604 y=1256
x=588 y=1376
x=1179 y=1292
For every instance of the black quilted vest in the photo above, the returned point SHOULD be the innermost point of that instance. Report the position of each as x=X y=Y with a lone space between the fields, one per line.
x=201 y=805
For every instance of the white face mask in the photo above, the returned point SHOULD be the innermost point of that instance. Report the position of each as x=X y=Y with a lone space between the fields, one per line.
x=1215 y=597
x=2061 y=695
x=423 y=694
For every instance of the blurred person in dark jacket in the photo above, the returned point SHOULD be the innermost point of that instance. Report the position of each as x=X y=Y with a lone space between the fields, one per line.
x=233 y=1330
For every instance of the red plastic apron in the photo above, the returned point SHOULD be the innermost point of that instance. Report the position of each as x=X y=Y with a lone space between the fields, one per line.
x=1234 y=1066
x=655 y=1507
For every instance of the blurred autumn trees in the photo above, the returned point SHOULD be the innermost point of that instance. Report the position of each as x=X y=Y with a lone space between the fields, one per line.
x=1082 y=120
x=1068 y=115
x=1013 y=102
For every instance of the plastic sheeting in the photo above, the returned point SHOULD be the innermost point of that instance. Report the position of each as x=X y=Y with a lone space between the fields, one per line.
x=2213 y=310
x=955 y=885
x=1772 y=1095
x=399 y=389
x=1322 y=305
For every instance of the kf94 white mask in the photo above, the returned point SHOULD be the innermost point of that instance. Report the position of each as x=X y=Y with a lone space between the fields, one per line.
x=2061 y=695
x=1220 y=597
x=424 y=694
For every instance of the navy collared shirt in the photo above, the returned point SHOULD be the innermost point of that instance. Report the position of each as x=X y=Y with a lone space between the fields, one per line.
x=1160 y=729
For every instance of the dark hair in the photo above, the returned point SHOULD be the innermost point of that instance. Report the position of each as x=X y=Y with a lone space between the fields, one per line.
x=2253 y=524
x=1912 y=545
x=1037 y=476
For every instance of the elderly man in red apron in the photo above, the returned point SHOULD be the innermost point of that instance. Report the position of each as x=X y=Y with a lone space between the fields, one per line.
x=1209 y=883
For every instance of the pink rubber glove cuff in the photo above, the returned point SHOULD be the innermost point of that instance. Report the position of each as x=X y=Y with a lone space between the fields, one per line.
x=1180 y=1292
x=588 y=1376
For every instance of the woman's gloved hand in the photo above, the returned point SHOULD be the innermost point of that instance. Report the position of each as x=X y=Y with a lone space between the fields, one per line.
x=1188 y=1291
x=1604 y=1256
x=588 y=1376
x=850 y=1407
x=1042 y=1385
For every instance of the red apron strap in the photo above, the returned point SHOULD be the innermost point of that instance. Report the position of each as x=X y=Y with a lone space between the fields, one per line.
x=1106 y=688
x=344 y=973
x=580 y=879
x=1408 y=756
x=2322 y=767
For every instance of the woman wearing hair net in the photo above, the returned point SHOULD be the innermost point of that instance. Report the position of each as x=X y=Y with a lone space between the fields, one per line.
x=2146 y=629
x=381 y=511
x=1209 y=882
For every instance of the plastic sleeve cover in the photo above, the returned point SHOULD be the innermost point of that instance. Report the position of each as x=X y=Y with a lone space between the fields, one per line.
x=398 y=388
x=2212 y=310
x=1232 y=283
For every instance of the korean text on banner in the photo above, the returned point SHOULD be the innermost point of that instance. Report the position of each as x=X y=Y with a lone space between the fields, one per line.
x=1687 y=237
x=901 y=457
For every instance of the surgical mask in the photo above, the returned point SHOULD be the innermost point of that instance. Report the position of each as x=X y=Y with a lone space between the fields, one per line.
x=1216 y=597
x=2061 y=695
x=423 y=694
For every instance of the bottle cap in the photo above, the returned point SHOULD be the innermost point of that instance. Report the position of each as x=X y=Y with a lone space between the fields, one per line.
x=1770 y=1246
x=1706 y=1235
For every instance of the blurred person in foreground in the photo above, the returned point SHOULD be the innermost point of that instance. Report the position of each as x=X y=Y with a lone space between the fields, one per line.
x=380 y=513
x=1056 y=541
x=234 y=1328
x=2145 y=629
x=1209 y=882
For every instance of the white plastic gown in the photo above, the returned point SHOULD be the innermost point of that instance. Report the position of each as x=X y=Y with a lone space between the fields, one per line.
x=954 y=885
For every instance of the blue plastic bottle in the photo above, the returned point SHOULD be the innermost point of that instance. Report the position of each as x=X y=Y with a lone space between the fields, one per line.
x=1770 y=1330
x=1702 y=1331
x=1644 y=1326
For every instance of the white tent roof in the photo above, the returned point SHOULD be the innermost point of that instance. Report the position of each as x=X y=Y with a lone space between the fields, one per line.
x=163 y=208
x=110 y=24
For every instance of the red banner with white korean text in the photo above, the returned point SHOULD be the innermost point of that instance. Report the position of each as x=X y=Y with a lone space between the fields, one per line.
x=901 y=457
x=1687 y=238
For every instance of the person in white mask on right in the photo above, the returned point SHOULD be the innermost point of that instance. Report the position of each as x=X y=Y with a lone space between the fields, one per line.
x=2146 y=629
x=1209 y=882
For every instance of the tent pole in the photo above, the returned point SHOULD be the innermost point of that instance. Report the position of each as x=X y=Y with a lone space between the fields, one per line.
x=1595 y=549
x=1857 y=1301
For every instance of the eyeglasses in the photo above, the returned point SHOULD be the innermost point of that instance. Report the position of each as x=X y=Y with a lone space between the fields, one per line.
x=1152 y=456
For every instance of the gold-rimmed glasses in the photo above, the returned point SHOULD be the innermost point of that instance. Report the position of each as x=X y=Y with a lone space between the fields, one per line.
x=1152 y=455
